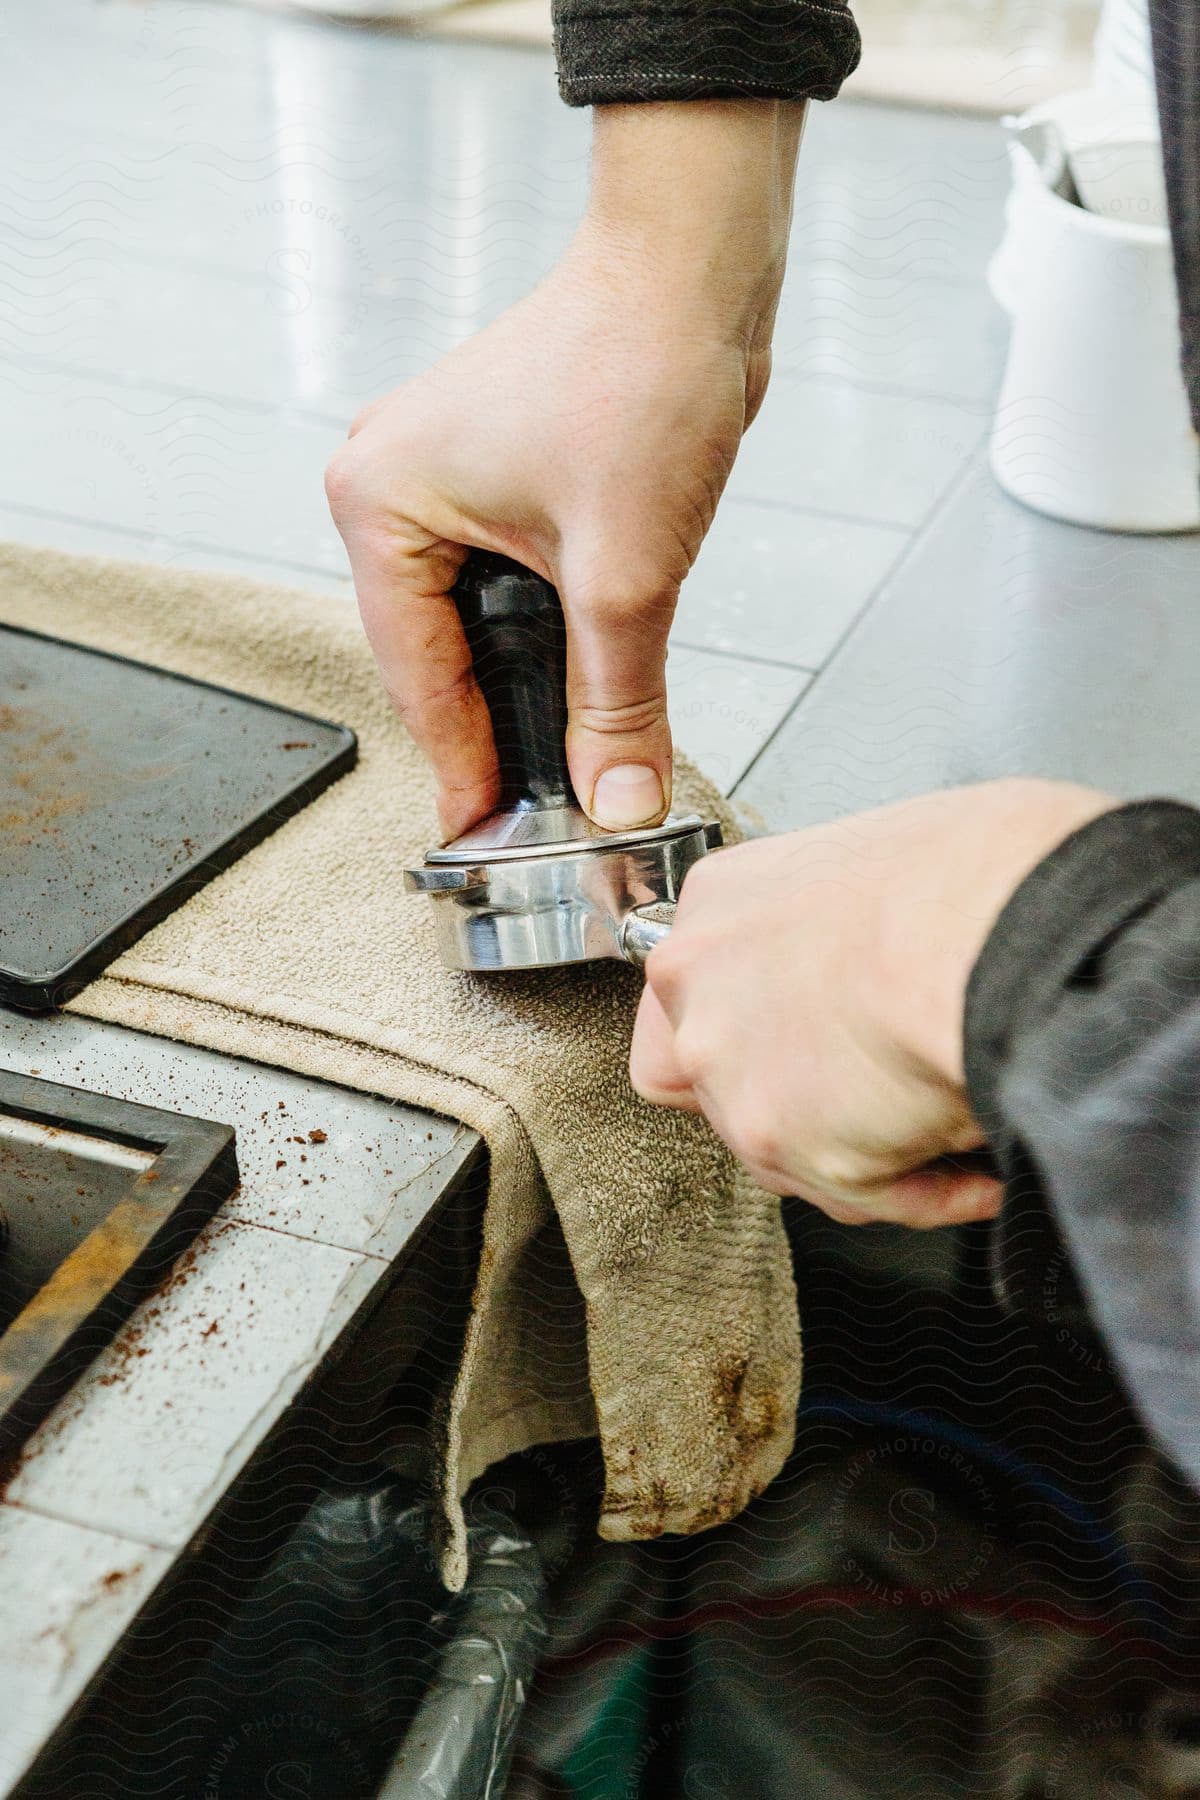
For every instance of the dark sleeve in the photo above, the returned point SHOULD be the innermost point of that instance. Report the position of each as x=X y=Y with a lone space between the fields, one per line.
x=1083 y=1065
x=1176 y=36
x=620 y=50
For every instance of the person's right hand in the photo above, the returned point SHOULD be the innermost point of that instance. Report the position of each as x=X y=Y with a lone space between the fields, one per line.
x=809 y=999
x=587 y=433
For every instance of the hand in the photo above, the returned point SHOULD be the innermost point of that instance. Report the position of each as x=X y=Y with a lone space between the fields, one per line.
x=809 y=999
x=588 y=433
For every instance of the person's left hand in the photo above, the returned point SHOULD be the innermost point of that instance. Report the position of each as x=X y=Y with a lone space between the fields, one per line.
x=809 y=999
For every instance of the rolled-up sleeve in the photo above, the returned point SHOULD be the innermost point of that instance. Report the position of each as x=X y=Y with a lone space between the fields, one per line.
x=628 y=50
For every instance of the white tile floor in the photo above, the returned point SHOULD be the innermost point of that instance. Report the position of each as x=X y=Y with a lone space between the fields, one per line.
x=222 y=230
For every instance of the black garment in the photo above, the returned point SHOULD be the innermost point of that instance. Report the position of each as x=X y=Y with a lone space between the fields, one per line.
x=613 y=50
x=1176 y=26
x=1083 y=1015
x=1083 y=1019
x=623 y=50
x=1083 y=1065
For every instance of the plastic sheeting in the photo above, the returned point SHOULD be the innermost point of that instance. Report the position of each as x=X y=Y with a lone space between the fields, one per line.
x=349 y=1647
x=460 y=1744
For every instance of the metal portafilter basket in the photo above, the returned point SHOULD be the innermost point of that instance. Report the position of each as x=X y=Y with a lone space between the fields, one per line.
x=537 y=884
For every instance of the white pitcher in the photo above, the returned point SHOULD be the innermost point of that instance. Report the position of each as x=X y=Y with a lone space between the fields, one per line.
x=1092 y=423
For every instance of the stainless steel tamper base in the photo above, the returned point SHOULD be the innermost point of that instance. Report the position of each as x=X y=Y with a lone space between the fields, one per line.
x=537 y=887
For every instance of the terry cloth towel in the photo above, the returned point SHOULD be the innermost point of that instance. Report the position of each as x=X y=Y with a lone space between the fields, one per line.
x=685 y=1352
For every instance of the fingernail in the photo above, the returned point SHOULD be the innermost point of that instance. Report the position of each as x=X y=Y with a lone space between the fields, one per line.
x=628 y=795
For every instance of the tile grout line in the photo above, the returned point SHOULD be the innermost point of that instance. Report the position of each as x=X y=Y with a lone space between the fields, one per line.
x=228 y=272
x=920 y=533
x=173 y=393
x=339 y=422
x=887 y=390
x=785 y=666
x=745 y=656
x=139 y=535
x=791 y=508
x=800 y=510
x=242 y=276
x=120 y=1537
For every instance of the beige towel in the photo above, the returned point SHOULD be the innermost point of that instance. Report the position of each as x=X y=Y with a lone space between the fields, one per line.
x=685 y=1354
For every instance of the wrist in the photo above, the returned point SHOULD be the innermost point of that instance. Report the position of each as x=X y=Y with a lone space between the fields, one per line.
x=696 y=197
x=962 y=855
x=1113 y=869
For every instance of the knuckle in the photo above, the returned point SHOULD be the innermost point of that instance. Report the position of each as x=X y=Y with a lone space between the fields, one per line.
x=758 y=1137
x=632 y=609
x=624 y=602
x=341 y=481
x=710 y=904
x=436 y=689
x=696 y=1053
x=621 y=718
x=667 y=967
x=646 y=1075
x=701 y=879
x=363 y=416
x=837 y=1167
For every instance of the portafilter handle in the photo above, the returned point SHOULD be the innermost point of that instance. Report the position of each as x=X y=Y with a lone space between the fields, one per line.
x=517 y=635
x=639 y=934
x=515 y=630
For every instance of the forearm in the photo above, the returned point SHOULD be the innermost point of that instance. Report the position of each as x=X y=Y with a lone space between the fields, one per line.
x=1083 y=1061
x=703 y=194
x=702 y=190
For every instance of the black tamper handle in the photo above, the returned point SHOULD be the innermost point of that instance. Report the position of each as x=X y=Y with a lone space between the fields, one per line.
x=514 y=625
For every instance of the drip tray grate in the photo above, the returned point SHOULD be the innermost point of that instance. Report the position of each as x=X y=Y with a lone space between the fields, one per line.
x=97 y=1198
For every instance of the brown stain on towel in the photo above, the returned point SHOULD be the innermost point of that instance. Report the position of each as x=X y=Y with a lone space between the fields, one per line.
x=306 y=954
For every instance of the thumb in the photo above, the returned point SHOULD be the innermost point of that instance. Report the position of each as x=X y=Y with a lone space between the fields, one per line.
x=618 y=737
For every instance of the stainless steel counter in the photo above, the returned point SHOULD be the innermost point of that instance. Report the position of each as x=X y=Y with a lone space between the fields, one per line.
x=114 y=1486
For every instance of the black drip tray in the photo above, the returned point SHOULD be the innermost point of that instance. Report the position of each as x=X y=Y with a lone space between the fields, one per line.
x=97 y=1198
x=123 y=788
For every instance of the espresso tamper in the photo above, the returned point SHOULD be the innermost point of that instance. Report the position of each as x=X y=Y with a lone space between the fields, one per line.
x=537 y=884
